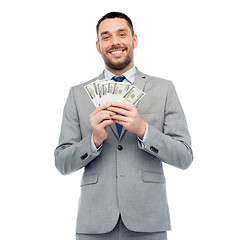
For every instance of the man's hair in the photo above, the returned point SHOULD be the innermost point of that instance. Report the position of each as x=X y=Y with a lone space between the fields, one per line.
x=111 y=15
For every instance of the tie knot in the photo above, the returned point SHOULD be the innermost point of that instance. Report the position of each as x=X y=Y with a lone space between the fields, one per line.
x=118 y=79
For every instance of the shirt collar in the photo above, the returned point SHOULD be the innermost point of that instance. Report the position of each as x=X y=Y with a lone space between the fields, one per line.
x=129 y=75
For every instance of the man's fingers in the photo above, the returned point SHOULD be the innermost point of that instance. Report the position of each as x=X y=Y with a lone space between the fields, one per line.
x=119 y=118
x=105 y=123
x=107 y=112
x=100 y=108
x=122 y=105
x=118 y=110
x=121 y=108
x=102 y=116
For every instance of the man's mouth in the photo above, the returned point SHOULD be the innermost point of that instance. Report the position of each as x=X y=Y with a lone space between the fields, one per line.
x=116 y=52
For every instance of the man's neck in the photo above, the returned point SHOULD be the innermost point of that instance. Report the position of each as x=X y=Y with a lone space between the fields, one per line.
x=129 y=75
x=121 y=71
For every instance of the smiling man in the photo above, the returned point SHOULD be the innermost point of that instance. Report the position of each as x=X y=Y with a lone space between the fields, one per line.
x=116 y=43
x=121 y=147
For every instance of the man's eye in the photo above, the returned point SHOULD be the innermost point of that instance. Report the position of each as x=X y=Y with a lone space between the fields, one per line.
x=106 y=38
x=122 y=34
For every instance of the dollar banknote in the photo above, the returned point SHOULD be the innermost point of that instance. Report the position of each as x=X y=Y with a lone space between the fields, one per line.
x=133 y=96
x=102 y=91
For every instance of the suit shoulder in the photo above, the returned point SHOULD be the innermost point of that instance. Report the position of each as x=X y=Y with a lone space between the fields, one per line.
x=80 y=87
x=158 y=80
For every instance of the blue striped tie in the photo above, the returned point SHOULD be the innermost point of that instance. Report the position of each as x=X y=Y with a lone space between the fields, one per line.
x=118 y=79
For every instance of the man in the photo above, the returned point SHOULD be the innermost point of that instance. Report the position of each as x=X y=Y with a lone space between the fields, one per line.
x=122 y=147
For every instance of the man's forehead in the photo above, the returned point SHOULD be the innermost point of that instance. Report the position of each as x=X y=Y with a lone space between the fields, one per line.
x=113 y=24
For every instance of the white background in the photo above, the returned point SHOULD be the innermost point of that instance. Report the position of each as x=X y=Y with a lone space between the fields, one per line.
x=48 y=46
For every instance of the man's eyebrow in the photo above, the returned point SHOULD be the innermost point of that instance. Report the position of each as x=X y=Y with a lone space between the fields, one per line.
x=123 y=29
x=103 y=33
x=119 y=30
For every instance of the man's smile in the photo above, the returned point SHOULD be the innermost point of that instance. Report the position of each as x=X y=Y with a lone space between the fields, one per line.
x=117 y=52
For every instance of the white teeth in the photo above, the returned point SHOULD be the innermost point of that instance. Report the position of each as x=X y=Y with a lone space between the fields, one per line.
x=117 y=52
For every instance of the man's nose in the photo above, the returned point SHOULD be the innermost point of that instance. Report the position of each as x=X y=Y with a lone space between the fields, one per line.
x=115 y=40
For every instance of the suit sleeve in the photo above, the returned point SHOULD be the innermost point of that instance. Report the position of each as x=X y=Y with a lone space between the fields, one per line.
x=173 y=145
x=73 y=151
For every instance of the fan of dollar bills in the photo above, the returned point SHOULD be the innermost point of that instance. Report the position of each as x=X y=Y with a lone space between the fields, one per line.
x=102 y=91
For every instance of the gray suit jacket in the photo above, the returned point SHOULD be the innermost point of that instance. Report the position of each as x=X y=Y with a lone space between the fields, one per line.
x=125 y=177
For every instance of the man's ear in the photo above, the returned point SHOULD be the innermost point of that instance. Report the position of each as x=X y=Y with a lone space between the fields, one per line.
x=135 y=40
x=98 y=47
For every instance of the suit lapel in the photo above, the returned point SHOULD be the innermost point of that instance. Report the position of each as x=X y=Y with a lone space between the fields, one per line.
x=101 y=76
x=140 y=80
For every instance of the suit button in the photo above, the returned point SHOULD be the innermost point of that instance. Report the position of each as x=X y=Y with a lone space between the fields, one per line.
x=153 y=149
x=120 y=147
x=84 y=156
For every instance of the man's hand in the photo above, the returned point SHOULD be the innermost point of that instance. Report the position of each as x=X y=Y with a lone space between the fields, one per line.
x=100 y=119
x=129 y=117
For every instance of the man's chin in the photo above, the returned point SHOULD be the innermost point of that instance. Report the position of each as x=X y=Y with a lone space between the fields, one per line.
x=118 y=65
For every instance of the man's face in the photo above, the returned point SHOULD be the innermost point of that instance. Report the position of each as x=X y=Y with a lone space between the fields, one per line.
x=116 y=44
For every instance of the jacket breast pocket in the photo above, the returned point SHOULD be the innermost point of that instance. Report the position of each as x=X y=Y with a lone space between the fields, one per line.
x=89 y=179
x=153 y=177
